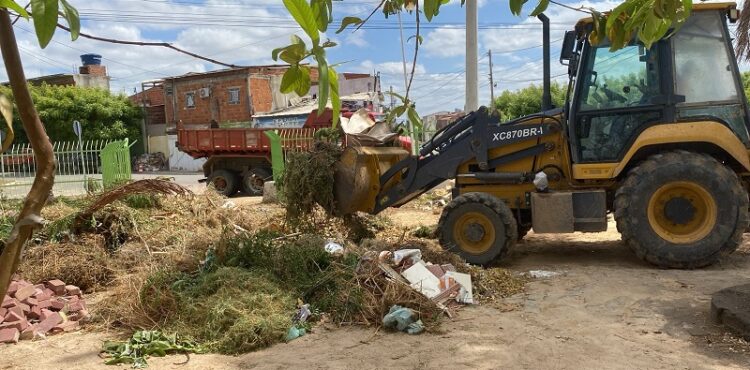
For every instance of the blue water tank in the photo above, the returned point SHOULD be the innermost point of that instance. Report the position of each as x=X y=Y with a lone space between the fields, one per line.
x=91 y=59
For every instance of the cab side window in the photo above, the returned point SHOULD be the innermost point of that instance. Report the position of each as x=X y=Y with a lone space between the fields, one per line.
x=622 y=78
x=703 y=70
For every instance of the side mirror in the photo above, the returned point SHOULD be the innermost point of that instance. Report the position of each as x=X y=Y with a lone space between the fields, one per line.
x=568 y=46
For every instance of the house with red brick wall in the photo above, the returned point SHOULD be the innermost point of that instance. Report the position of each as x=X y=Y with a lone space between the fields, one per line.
x=232 y=97
x=151 y=99
x=227 y=97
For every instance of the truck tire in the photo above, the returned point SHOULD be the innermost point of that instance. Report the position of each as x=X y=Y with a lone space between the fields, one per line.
x=252 y=181
x=681 y=209
x=477 y=226
x=224 y=181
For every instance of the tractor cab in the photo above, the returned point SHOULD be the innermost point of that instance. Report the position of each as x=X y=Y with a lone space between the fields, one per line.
x=691 y=76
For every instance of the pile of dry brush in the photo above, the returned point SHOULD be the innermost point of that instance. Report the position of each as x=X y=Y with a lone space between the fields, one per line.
x=229 y=277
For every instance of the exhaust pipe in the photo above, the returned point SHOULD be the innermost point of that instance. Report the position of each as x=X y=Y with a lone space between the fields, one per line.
x=546 y=96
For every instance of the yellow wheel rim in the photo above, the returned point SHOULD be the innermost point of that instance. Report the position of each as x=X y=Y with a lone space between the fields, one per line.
x=474 y=233
x=682 y=212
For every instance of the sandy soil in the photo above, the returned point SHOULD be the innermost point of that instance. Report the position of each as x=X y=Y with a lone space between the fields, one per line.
x=604 y=310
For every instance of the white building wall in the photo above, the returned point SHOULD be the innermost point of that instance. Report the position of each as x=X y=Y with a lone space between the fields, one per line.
x=179 y=161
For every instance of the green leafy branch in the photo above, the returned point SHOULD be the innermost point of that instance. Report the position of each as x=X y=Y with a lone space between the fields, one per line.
x=648 y=20
x=143 y=344
x=407 y=107
x=314 y=18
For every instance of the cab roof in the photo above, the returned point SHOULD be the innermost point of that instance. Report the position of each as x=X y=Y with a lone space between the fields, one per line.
x=696 y=8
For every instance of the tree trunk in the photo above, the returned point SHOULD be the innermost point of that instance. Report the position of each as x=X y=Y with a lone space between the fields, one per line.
x=45 y=174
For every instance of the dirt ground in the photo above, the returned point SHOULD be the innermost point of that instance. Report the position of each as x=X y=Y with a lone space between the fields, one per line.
x=605 y=309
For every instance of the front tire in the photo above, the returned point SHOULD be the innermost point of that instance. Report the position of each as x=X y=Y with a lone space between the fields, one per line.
x=681 y=210
x=477 y=226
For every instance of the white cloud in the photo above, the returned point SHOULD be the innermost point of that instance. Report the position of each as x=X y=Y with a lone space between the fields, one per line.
x=445 y=42
x=128 y=64
x=390 y=68
x=356 y=39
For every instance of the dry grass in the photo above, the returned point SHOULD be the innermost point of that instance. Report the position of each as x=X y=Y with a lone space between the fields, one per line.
x=228 y=275
x=84 y=263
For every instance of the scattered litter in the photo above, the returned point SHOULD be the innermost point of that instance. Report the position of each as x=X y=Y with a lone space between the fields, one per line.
x=542 y=274
x=298 y=329
x=229 y=205
x=402 y=319
x=384 y=256
x=465 y=294
x=294 y=333
x=334 y=248
x=422 y=279
x=149 y=162
x=440 y=283
x=412 y=255
x=302 y=313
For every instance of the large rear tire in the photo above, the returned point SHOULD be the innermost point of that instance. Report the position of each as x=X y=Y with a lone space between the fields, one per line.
x=253 y=180
x=225 y=182
x=477 y=226
x=681 y=209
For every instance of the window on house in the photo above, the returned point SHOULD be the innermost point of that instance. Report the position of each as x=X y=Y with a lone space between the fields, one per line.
x=190 y=100
x=234 y=95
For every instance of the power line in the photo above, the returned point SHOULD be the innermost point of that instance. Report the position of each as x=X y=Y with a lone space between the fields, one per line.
x=86 y=51
x=43 y=58
x=532 y=79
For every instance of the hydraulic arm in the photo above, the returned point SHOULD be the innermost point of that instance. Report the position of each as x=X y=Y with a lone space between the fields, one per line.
x=401 y=178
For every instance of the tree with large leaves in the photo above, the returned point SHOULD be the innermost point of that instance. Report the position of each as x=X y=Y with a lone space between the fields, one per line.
x=647 y=20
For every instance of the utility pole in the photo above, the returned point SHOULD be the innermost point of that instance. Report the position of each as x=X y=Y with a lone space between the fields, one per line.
x=472 y=74
x=392 y=102
x=492 y=81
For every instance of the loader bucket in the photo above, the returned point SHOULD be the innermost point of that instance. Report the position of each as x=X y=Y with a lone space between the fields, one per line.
x=357 y=176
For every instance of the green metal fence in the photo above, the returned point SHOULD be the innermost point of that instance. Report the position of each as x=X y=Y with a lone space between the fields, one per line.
x=80 y=167
x=116 y=163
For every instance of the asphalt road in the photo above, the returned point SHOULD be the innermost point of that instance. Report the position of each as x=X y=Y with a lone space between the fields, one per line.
x=14 y=187
x=186 y=179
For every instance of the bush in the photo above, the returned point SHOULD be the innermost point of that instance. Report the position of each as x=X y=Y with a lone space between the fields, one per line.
x=103 y=115
x=514 y=104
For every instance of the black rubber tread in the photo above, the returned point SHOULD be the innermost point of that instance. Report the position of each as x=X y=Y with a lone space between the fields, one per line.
x=232 y=179
x=500 y=248
x=631 y=204
x=263 y=173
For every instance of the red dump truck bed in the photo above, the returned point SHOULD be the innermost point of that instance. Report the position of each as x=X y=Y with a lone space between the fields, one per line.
x=203 y=143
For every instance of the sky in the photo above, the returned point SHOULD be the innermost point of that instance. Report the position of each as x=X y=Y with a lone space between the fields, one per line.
x=244 y=32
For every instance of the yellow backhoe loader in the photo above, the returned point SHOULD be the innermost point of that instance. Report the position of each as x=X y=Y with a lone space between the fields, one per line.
x=657 y=136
